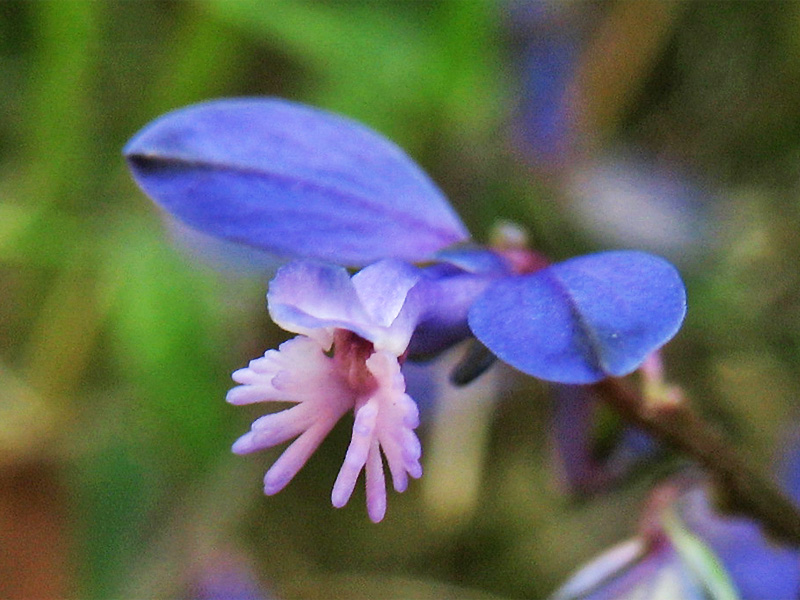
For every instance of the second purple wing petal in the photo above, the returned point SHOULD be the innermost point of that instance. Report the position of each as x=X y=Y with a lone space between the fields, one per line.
x=584 y=319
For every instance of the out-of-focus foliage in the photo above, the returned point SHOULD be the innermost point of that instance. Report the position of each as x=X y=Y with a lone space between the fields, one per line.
x=116 y=345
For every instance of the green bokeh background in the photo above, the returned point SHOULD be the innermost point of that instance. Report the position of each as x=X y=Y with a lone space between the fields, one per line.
x=116 y=345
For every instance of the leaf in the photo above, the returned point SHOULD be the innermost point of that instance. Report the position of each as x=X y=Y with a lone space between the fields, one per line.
x=584 y=319
x=292 y=180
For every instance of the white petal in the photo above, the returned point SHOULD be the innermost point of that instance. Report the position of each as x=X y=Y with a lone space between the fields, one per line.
x=298 y=372
x=376 y=485
x=356 y=457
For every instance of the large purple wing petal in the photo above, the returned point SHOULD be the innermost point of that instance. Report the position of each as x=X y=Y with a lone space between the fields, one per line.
x=293 y=180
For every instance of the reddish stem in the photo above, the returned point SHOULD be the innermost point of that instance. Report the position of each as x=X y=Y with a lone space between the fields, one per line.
x=742 y=487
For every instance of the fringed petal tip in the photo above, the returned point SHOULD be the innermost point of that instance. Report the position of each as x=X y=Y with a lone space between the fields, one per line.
x=296 y=372
x=384 y=425
x=256 y=380
x=244 y=445
x=245 y=394
x=322 y=389
x=295 y=457
x=299 y=372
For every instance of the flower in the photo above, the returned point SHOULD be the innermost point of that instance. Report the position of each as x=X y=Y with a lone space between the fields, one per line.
x=685 y=550
x=591 y=458
x=300 y=183
x=353 y=334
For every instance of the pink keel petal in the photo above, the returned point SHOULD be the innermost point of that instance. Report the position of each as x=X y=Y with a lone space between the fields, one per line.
x=246 y=444
x=398 y=417
x=415 y=470
x=269 y=363
x=271 y=430
x=356 y=457
x=399 y=479
x=412 y=449
x=399 y=467
x=249 y=394
x=376 y=484
x=383 y=427
x=247 y=376
x=293 y=459
x=411 y=412
x=301 y=373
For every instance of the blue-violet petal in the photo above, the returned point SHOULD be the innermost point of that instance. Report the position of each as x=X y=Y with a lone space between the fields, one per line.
x=584 y=319
x=292 y=180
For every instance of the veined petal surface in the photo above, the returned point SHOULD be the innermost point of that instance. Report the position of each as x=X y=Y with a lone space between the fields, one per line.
x=584 y=319
x=378 y=303
x=293 y=180
x=313 y=298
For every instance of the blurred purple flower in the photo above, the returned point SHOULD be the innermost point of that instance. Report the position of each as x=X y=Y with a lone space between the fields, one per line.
x=687 y=551
x=549 y=38
x=630 y=200
x=547 y=121
x=225 y=575
x=615 y=191
x=589 y=464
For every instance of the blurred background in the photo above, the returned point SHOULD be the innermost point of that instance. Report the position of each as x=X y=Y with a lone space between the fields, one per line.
x=670 y=127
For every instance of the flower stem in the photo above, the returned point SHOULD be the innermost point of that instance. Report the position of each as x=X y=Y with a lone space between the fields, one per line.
x=744 y=489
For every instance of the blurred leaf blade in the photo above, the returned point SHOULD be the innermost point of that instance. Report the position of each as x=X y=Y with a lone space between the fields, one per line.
x=58 y=92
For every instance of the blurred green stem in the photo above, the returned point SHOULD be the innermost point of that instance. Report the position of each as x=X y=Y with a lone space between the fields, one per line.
x=58 y=350
x=57 y=156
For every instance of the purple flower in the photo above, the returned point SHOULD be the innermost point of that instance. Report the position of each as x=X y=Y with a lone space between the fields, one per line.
x=686 y=550
x=636 y=568
x=224 y=575
x=302 y=183
x=583 y=468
